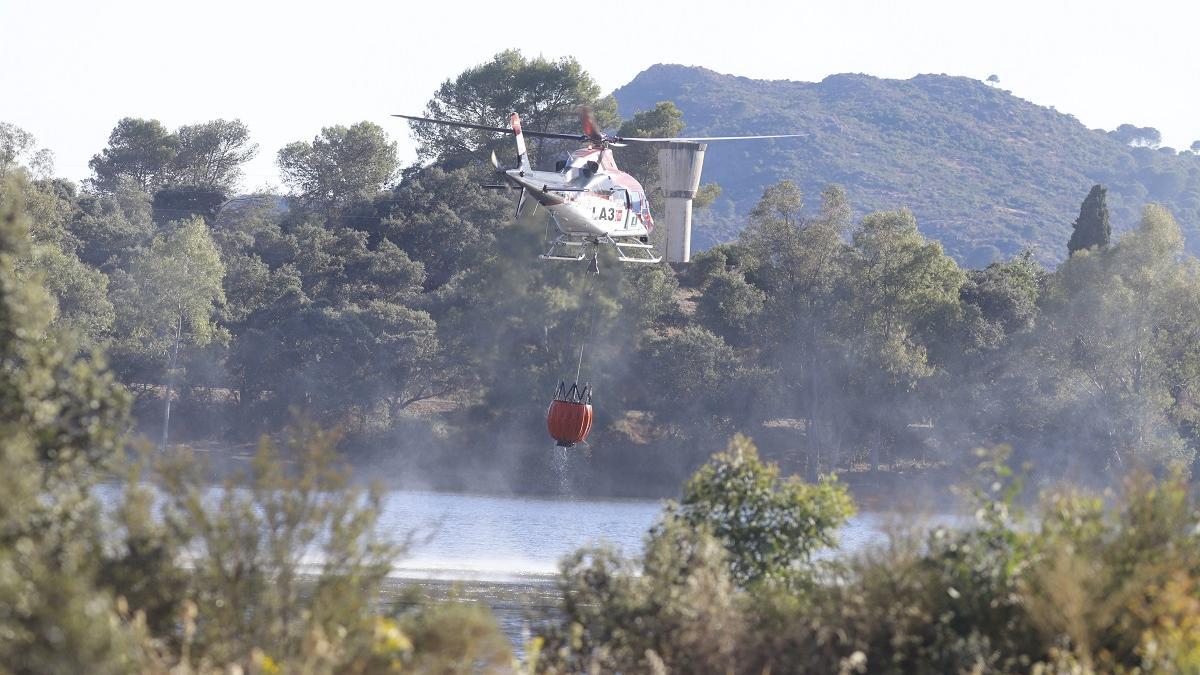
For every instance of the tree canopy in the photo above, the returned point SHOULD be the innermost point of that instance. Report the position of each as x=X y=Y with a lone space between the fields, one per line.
x=547 y=94
x=1091 y=228
x=407 y=308
x=341 y=166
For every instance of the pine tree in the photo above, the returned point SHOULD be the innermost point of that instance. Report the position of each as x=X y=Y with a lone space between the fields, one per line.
x=1091 y=227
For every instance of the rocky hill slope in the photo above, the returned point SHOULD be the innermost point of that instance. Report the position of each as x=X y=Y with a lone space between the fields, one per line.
x=985 y=172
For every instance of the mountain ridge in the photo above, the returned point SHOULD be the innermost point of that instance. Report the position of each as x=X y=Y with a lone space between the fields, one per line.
x=985 y=172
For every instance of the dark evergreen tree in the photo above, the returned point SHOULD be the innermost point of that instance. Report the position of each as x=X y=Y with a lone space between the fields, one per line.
x=1091 y=227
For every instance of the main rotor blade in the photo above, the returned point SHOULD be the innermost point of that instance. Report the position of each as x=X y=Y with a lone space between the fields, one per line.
x=591 y=130
x=498 y=130
x=467 y=125
x=700 y=139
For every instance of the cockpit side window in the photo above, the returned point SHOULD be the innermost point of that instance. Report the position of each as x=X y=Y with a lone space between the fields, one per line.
x=636 y=201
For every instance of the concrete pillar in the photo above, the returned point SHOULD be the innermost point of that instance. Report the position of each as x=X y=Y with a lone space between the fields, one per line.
x=679 y=164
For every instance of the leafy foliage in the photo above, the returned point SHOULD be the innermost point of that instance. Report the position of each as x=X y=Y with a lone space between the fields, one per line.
x=61 y=418
x=641 y=159
x=211 y=154
x=172 y=291
x=1077 y=587
x=252 y=584
x=1091 y=228
x=343 y=165
x=769 y=525
x=19 y=148
x=546 y=93
x=405 y=312
x=144 y=152
x=183 y=578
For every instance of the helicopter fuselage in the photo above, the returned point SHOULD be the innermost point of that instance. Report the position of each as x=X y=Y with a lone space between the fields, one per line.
x=593 y=202
x=589 y=197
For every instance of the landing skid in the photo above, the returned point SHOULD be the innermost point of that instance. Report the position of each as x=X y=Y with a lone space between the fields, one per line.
x=567 y=247
x=632 y=250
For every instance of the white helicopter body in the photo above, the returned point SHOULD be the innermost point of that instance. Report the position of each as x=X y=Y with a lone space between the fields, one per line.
x=590 y=200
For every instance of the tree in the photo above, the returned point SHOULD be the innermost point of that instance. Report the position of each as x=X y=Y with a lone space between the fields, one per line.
x=903 y=284
x=1145 y=137
x=1091 y=228
x=115 y=224
x=442 y=220
x=342 y=166
x=141 y=150
x=1195 y=147
x=993 y=79
x=19 y=148
x=804 y=266
x=211 y=154
x=547 y=95
x=206 y=156
x=181 y=202
x=769 y=525
x=772 y=235
x=86 y=589
x=1113 y=338
x=730 y=306
x=350 y=360
x=168 y=299
x=641 y=159
x=1004 y=296
x=61 y=418
x=51 y=205
x=46 y=385
x=688 y=611
x=331 y=322
x=706 y=194
x=695 y=376
x=79 y=294
x=902 y=290
x=649 y=293
x=741 y=536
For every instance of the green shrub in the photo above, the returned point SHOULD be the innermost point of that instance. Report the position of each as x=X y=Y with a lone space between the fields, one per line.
x=769 y=525
x=688 y=603
x=1084 y=585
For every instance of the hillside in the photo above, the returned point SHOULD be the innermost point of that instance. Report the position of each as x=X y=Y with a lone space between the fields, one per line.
x=985 y=172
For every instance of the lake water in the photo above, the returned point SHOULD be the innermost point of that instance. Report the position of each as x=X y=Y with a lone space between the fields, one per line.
x=508 y=548
x=505 y=538
x=511 y=538
x=513 y=544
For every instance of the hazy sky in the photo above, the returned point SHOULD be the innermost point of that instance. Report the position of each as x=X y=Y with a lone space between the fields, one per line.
x=70 y=70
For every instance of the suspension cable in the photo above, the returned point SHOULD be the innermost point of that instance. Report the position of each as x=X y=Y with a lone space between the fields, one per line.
x=587 y=332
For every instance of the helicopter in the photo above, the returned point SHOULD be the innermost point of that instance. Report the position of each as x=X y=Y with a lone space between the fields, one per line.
x=592 y=202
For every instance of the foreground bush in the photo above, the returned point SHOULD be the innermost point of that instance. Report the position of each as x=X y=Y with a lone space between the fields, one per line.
x=740 y=531
x=279 y=571
x=1079 y=587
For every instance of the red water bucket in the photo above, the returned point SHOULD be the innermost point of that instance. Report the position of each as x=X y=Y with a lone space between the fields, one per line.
x=568 y=422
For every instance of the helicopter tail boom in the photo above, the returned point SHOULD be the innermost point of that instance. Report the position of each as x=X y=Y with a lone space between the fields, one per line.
x=522 y=154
